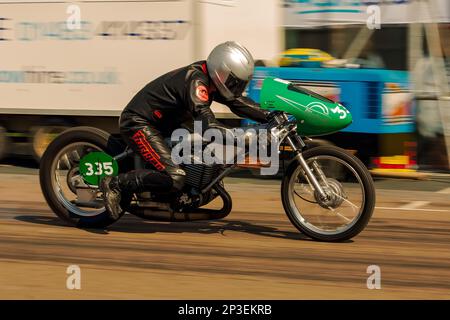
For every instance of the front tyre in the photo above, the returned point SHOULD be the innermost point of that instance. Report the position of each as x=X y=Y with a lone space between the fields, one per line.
x=70 y=198
x=350 y=199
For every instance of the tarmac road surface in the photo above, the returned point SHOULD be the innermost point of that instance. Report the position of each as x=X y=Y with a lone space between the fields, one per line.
x=255 y=253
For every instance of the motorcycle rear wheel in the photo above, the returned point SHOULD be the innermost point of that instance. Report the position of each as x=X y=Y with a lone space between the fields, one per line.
x=69 y=147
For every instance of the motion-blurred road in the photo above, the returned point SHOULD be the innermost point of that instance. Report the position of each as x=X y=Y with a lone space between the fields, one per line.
x=254 y=253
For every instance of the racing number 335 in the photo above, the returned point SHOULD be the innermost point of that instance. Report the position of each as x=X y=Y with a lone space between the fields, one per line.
x=96 y=165
x=105 y=167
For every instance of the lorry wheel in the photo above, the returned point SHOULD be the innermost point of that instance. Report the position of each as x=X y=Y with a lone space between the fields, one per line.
x=42 y=136
x=4 y=143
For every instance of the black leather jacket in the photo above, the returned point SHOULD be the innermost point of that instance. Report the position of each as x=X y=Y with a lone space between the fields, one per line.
x=183 y=95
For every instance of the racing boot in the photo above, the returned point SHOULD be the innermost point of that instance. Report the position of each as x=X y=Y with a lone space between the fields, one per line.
x=112 y=195
x=137 y=181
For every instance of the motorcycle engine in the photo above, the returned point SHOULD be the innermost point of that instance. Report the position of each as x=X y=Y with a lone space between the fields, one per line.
x=200 y=175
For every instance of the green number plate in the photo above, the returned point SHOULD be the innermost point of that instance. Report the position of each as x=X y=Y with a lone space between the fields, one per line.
x=96 y=165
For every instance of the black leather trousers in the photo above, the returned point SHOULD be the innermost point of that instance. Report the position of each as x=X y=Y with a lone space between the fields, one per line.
x=147 y=141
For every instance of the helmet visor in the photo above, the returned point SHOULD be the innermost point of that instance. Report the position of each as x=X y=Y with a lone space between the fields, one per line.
x=235 y=85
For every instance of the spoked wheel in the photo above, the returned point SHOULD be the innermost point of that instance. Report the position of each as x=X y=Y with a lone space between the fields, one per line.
x=349 y=195
x=65 y=190
x=69 y=186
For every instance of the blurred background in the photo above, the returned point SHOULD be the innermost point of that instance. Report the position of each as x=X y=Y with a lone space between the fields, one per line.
x=79 y=63
x=73 y=63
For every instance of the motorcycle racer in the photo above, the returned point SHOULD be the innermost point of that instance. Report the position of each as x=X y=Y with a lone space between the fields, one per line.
x=171 y=101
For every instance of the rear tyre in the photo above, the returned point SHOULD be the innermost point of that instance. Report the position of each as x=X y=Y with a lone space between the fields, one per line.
x=73 y=215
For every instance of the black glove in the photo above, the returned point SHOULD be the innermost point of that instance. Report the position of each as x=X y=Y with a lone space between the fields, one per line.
x=267 y=114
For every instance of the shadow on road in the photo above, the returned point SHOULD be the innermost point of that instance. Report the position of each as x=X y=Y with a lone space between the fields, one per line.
x=131 y=224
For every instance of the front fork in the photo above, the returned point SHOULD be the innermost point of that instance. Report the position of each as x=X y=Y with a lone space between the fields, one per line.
x=297 y=144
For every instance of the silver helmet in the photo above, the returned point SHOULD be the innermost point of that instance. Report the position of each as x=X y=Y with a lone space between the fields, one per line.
x=230 y=66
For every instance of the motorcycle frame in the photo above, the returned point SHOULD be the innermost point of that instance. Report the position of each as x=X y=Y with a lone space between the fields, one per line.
x=293 y=139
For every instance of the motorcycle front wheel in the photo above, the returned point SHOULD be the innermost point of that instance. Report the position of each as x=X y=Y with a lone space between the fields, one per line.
x=349 y=189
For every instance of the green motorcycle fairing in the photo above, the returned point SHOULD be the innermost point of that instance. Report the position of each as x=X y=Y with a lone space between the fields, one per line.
x=315 y=114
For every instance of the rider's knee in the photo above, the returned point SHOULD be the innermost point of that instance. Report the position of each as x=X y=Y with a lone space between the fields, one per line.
x=178 y=178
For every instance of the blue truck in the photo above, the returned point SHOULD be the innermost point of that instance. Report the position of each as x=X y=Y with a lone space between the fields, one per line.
x=380 y=101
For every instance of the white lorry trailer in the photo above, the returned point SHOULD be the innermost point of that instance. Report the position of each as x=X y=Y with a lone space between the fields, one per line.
x=67 y=63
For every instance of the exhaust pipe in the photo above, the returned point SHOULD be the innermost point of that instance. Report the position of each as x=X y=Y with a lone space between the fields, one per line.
x=198 y=214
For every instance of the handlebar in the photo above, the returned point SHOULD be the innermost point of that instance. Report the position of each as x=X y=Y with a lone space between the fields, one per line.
x=278 y=119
